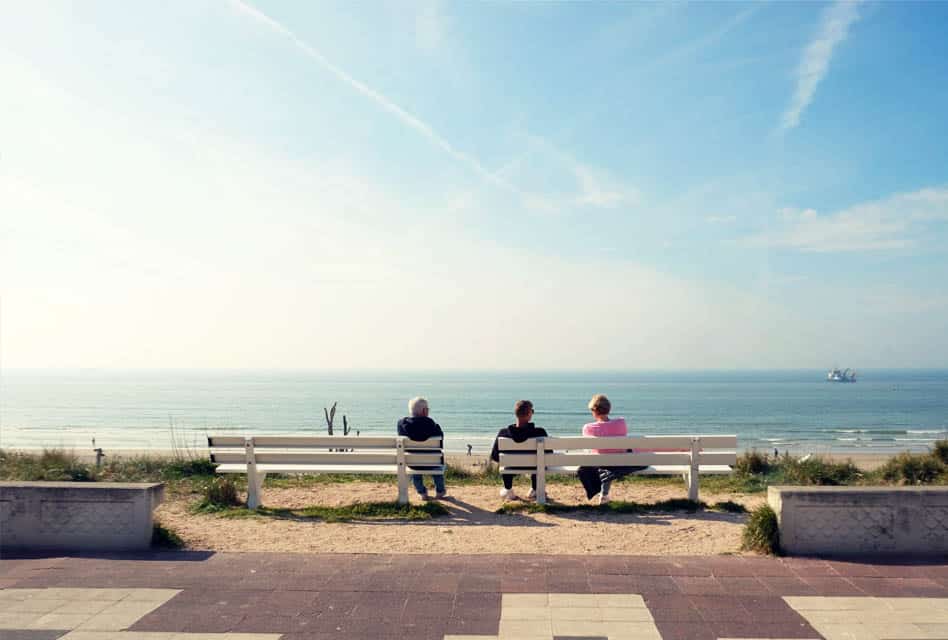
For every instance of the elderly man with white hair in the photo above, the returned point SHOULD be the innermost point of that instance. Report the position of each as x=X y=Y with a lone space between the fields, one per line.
x=418 y=426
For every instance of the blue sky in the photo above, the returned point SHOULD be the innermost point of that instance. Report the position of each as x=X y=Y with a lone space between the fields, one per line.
x=473 y=185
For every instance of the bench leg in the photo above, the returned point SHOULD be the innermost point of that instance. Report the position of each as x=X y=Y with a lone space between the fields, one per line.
x=402 y=487
x=254 y=489
x=692 y=480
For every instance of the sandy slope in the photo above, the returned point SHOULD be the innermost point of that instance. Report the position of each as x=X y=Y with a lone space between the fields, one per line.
x=471 y=527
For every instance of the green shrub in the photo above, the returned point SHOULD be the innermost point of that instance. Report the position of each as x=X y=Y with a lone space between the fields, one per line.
x=911 y=468
x=752 y=463
x=816 y=470
x=219 y=494
x=940 y=451
x=761 y=533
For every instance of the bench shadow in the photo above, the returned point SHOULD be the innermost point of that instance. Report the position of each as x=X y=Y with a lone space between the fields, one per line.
x=162 y=555
x=656 y=517
x=460 y=514
x=465 y=514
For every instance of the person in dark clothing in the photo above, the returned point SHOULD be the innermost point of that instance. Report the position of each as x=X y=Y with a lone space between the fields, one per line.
x=418 y=426
x=520 y=431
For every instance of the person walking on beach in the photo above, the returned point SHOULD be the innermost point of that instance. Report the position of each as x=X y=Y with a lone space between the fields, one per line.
x=598 y=480
x=520 y=431
x=418 y=426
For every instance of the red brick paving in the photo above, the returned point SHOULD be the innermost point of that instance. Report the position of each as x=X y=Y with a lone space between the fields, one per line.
x=316 y=597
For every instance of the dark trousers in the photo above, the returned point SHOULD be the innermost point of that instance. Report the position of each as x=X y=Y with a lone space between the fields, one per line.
x=599 y=480
x=508 y=479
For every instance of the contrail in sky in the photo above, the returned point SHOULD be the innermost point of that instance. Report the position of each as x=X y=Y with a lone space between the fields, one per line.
x=381 y=100
x=834 y=28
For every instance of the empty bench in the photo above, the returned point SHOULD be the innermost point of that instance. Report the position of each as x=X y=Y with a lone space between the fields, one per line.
x=685 y=456
x=258 y=456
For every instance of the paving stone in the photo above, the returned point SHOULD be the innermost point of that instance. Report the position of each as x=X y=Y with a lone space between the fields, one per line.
x=31 y=634
x=380 y=597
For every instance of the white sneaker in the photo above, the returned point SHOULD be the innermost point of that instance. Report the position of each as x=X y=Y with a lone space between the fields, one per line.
x=604 y=499
x=508 y=494
x=532 y=495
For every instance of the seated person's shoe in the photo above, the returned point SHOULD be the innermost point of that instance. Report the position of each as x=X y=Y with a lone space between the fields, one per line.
x=604 y=499
x=532 y=495
x=441 y=495
x=508 y=494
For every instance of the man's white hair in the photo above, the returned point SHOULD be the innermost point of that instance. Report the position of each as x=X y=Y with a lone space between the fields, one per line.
x=416 y=406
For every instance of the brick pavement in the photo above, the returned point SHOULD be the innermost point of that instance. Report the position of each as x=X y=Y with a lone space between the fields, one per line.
x=204 y=596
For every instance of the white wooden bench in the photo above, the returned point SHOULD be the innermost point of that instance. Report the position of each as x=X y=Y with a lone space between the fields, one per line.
x=687 y=456
x=258 y=456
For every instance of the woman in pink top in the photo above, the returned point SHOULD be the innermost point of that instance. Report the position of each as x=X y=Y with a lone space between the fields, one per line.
x=598 y=480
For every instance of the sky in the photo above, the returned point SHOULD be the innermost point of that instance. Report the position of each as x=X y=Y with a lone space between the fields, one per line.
x=473 y=185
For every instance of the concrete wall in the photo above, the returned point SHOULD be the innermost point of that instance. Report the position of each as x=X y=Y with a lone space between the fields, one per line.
x=101 y=516
x=860 y=520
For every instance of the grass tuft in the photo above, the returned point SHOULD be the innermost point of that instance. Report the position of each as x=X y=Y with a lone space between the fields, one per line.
x=761 y=533
x=364 y=511
x=219 y=494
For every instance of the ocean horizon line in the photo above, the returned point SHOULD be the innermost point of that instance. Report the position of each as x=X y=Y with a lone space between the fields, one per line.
x=518 y=371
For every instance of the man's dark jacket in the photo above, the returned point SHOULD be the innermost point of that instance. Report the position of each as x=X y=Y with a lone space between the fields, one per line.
x=420 y=428
x=517 y=434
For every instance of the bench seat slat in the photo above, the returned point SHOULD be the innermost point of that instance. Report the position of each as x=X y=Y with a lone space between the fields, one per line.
x=654 y=470
x=597 y=459
x=381 y=469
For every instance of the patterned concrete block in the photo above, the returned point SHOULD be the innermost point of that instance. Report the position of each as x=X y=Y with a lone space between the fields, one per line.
x=861 y=520
x=78 y=515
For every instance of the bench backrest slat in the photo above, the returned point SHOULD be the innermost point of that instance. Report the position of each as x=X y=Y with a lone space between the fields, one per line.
x=579 y=451
x=321 y=442
x=573 y=443
x=342 y=458
x=671 y=458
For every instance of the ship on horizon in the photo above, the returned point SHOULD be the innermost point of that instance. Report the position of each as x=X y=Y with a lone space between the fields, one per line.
x=846 y=375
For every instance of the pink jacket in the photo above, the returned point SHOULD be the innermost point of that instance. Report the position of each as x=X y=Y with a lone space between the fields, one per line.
x=613 y=427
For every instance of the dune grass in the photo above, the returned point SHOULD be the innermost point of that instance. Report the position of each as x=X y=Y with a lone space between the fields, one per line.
x=753 y=473
x=59 y=464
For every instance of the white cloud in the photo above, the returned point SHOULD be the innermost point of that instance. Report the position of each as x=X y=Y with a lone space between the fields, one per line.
x=833 y=29
x=896 y=222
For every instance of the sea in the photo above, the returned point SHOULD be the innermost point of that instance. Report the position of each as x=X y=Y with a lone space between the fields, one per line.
x=797 y=411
